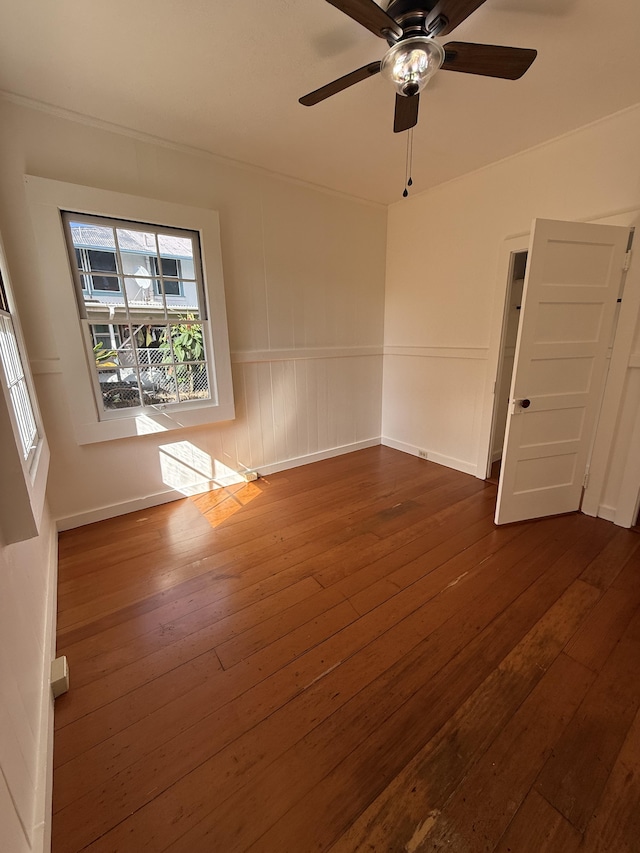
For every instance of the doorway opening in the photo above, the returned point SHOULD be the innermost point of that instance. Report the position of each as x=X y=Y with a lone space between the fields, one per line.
x=506 y=358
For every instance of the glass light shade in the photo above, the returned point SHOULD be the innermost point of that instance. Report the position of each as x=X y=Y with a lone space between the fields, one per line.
x=410 y=63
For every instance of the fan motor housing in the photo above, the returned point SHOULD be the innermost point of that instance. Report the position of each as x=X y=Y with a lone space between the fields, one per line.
x=412 y=16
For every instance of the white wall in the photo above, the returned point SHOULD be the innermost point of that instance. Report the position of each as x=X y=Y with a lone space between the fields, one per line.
x=304 y=280
x=27 y=576
x=442 y=288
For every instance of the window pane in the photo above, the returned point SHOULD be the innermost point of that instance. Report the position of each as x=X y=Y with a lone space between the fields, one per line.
x=24 y=416
x=4 y=302
x=187 y=269
x=105 y=344
x=171 y=288
x=18 y=390
x=187 y=343
x=159 y=385
x=119 y=389
x=88 y=235
x=174 y=246
x=133 y=241
x=143 y=269
x=193 y=382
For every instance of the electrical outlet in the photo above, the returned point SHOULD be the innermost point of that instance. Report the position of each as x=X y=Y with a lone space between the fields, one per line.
x=250 y=476
x=423 y=454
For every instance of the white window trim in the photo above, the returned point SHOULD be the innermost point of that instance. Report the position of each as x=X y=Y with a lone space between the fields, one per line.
x=47 y=199
x=24 y=481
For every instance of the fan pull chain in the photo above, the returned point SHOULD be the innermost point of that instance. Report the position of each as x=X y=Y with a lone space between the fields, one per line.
x=408 y=180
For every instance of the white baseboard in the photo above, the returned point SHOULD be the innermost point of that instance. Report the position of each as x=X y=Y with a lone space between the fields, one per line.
x=439 y=458
x=113 y=510
x=607 y=512
x=41 y=842
x=308 y=458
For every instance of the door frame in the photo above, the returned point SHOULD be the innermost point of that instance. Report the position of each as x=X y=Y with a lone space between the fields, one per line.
x=510 y=247
x=610 y=421
x=501 y=354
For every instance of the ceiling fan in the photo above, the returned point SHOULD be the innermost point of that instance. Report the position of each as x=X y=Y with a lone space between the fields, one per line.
x=410 y=27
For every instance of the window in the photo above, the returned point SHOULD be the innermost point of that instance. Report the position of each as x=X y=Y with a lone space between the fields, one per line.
x=92 y=260
x=134 y=356
x=16 y=382
x=24 y=453
x=170 y=270
x=148 y=349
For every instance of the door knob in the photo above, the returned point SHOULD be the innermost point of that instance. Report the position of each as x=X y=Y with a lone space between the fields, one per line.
x=524 y=404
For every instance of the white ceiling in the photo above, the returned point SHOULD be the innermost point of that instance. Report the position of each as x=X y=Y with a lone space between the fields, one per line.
x=225 y=76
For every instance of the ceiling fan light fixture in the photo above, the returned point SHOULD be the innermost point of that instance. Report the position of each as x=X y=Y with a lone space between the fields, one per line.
x=410 y=63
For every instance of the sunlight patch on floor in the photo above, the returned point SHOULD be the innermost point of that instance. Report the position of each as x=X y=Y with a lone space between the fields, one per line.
x=217 y=490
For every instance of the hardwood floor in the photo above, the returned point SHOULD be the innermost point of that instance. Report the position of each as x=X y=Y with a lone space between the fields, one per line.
x=344 y=657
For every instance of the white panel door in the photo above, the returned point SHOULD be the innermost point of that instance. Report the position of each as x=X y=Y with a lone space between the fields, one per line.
x=571 y=286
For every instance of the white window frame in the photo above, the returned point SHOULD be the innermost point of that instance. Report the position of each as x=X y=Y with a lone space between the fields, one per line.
x=122 y=315
x=23 y=471
x=47 y=200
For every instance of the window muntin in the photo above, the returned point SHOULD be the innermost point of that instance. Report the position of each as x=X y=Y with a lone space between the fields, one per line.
x=16 y=381
x=148 y=331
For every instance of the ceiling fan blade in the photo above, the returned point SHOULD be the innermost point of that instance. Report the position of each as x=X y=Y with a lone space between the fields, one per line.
x=490 y=60
x=406 y=114
x=447 y=14
x=341 y=83
x=370 y=15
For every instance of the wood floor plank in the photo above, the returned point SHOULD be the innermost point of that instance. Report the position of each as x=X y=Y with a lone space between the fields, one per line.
x=309 y=507
x=239 y=584
x=383 y=756
x=349 y=678
x=597 y=638
x=266 y=794
x=408 y=544
x=99 y=594
x=538 y=828
x=163 y=608
x=615 y=826
x=248 y=603
x=247 y=643
x=268 y=696
x=84 y=732
x=418 y=793
x=201 y=636
x=481 y=535
x=169 y=631
x=333 y=657
x=136 y=742
x=477 y=814
x=575 y=775
x=604 y=569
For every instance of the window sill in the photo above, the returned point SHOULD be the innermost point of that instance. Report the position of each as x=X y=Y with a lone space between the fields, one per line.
x=152 y=421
